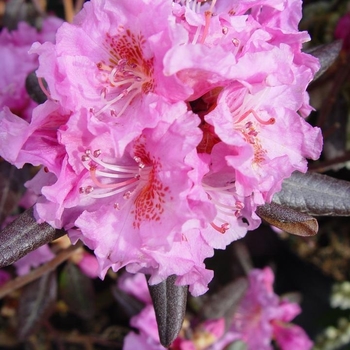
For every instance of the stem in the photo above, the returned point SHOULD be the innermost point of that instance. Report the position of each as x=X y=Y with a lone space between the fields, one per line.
x=21 y=281
x=68 y=10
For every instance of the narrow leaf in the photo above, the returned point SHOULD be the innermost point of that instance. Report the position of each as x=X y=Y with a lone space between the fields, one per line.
x=288 y=219
x=130 y=305
x=11 y=188
x=315 y=194
x=225 y=302
x=23 y=236
x=21 y=281
x=169 y=303
x=77 y=291
x=33 y=88
x=17 y=11
x=326 y=54
x=36 y=303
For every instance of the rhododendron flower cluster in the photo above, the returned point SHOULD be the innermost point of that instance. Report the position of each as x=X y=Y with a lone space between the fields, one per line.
x=17 y=63
x=261 y=316
x=161 y=136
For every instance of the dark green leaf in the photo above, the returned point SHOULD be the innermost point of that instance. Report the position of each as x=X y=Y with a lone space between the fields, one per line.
x=36 y=303
x=130 y=305
x=169 y=303
x=315 y=194
x=23 y=236
x=33 y=88
x=224 y=303
x=17 y=11
x=288 y=219
x=77 y=291
x=326 y=54
x=11 y=188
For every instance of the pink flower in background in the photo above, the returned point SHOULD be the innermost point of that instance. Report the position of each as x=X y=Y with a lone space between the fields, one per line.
x=261 y=317
x=147 y=337
x=17 y=63
x=342 y=30
x=4 y=277
x=161 y=138
x=291 y=337
x=33 y=259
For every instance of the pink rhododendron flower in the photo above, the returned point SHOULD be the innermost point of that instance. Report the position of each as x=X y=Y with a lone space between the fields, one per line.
x=4 y=277
x=34 y=259
x=342 y=30
x=291 y=337
x=160 y=138
x=17 y=63
x=262 y=316
x=88 y=264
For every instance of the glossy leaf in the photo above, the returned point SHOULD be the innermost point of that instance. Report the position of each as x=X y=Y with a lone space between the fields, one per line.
x=288 y=219
x=315 y=194
x=23 y=236
x=77 y=291
x=36 y=303
x=169 y=303
x=326 y=54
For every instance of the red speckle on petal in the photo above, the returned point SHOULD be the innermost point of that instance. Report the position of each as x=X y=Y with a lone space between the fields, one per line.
x=149 y=202
x=127 y=47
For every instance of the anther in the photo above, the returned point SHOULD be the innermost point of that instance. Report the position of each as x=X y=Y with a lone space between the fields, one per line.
x=86 y=190
x=139 y=162
x=221 y=229
x=127 y=195
x=235 y=42
x=97 y=153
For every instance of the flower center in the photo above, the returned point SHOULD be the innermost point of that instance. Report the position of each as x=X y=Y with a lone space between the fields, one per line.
x=250 y=132
x=225 y=210
x=137 y=182
x=111 y=179
x=127 y=74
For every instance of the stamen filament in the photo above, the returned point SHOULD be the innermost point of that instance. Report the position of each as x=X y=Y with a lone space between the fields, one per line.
x=261 y=121
x=112 y=175
x=221 y=229
x=134 y=86
x=111 y=193
x=207 y=17
x=219 y=189
x=127 y=103
x=115 y=185
x=43 y=88
x=120 y=168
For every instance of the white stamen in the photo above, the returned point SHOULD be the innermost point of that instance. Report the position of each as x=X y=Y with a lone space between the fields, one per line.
x=101 y=171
